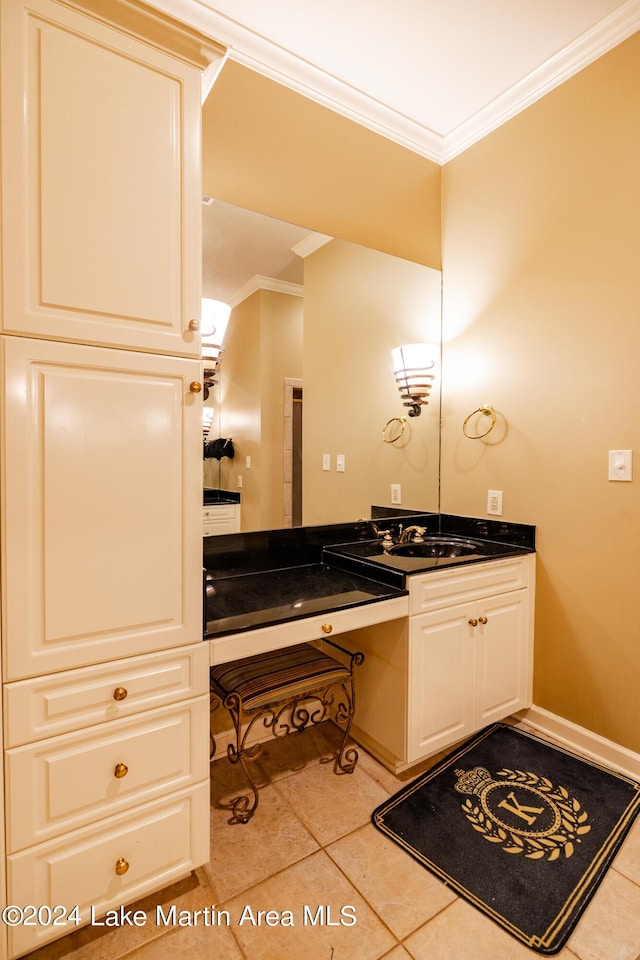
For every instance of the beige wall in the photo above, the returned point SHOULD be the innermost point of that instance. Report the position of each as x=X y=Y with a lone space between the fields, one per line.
x=270 y=149
x=358 y=305
x=540 y=240
x=541 y=235
x=263 y=345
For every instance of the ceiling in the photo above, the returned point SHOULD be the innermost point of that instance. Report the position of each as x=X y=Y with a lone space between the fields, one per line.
x=433 y=75
x=243 y=251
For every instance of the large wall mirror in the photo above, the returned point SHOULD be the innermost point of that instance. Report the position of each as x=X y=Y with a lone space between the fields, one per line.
x=306 y=380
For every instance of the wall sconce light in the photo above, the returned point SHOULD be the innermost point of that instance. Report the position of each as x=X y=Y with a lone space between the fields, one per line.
x=414 y=367
x=213 y=325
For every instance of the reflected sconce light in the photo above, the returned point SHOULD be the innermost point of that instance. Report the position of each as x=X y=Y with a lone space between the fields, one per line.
x=414 y=367
x=213 y=325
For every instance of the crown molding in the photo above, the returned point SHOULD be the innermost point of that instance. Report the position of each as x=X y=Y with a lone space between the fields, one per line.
x=604 y=36
x=311 y=243
x=246 y=47
x=265 y=283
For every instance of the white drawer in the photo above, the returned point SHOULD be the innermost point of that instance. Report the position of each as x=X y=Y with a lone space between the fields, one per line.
x=223 y=511
x=161 y=842
x=73 y=699
x=248 y=643
x=429 y=591
x=59 y=784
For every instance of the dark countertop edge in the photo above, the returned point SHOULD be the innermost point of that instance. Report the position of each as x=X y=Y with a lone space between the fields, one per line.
x=211 y=496
x=372 y=568
x=269 y=622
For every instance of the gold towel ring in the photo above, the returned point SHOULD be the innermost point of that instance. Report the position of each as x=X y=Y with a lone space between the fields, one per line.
x=402 y=421
x=486 y=411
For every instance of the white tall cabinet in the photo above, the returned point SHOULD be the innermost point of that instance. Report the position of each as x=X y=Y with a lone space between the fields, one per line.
x=105 y=679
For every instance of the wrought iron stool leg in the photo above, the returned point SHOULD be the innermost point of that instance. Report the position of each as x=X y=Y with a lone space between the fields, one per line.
x=244 y=806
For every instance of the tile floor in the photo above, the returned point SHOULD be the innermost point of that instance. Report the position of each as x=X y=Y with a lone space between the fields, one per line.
x=311 y=852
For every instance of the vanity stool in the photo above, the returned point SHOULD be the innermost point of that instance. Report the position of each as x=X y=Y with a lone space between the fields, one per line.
x=284 y=691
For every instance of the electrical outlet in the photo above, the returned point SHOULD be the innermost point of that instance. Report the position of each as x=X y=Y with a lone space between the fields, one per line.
x=494 y=502
x=396 y=493
x=239 y=480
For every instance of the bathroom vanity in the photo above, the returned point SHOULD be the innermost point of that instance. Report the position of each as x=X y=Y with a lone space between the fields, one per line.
x=448 y=639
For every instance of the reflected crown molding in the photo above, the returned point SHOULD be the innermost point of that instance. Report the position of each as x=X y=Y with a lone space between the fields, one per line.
x=310 y=244
x=265 y=283
x=249 y=48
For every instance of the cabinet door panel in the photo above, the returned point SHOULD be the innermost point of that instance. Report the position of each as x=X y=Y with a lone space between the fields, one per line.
x=103 y=504
x=502 y=652
x=440 y=680
x=102 y=205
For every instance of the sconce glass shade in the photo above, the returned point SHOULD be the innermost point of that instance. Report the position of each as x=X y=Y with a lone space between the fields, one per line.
x=213 y=325
x=214 y=317
x=414 y=367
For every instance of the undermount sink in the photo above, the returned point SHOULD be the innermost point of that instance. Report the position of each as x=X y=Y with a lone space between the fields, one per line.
x=436 y=547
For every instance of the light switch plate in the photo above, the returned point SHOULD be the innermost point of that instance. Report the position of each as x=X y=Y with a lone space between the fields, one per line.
x=620 y=464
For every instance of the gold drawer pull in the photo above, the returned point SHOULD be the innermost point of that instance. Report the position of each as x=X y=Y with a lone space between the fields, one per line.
x=483 y=620
x=194 y=324
x=120 y=693
x=121 y=770
x=473 y=622
x=121 y=867
x=327 y=628
x=195 y=386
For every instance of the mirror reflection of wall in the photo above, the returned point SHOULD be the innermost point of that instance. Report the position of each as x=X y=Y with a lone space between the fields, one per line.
x=316 y=317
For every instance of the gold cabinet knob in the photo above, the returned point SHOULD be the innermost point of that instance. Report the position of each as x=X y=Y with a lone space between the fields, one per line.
x=473 y=622
x=327 y=627
x=483 y=620
x=121 y=770
x=121 y=867
x=194 y=324
x=120 y=693
x=195 y=386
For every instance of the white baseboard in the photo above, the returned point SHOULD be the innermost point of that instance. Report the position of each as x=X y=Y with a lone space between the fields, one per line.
x=582 y=741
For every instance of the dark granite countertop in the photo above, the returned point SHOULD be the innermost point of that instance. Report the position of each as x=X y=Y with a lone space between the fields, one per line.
x=275 y=576
x=211 y=496
x=364 y=558
x=263 y=598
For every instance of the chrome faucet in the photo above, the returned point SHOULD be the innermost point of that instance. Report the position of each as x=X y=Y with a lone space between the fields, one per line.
x=418 y=534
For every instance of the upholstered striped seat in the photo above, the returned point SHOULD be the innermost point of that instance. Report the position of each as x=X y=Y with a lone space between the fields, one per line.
x=278 y=675
x=284 y=691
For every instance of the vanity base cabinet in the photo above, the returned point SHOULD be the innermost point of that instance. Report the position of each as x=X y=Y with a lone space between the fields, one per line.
x=220 y=518
x=467 y=669
x=462 y=660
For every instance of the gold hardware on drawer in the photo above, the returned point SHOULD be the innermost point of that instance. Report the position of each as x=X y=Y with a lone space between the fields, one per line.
x=327 y=627
x=483 y=620
x=473 y=622
x=121 y=770
x=195 y=386
x=120 y=693
x=194 y=324
x=121 y=867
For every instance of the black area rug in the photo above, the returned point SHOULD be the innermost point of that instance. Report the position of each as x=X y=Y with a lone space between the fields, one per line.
x=523 y=830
